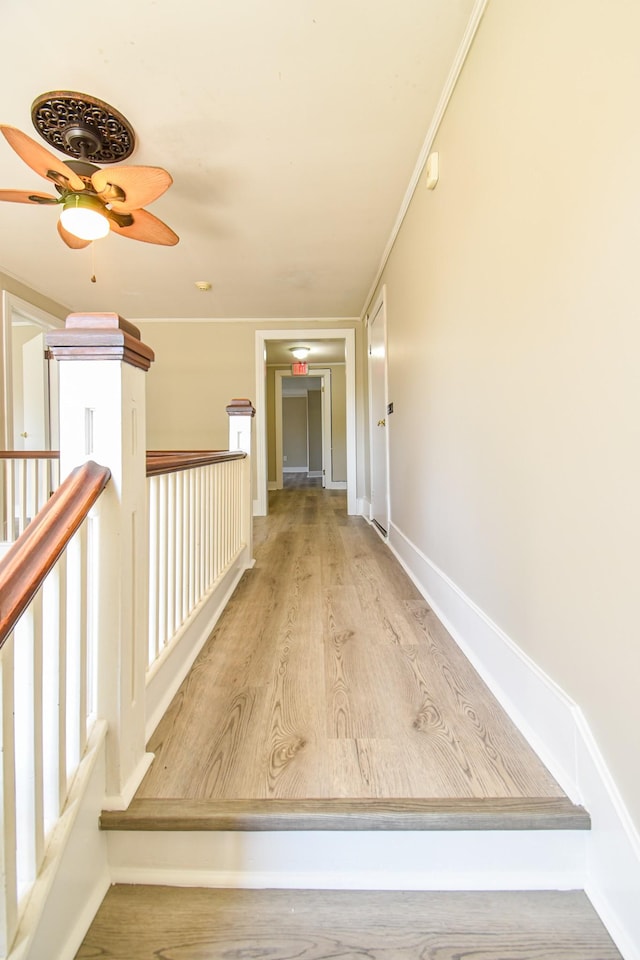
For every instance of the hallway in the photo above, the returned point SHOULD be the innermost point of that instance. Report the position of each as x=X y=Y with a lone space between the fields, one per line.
x=328 y=676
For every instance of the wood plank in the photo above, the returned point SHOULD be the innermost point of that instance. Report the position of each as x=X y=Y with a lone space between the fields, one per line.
x=328 y=676
x=538 y=813
x=143 y=923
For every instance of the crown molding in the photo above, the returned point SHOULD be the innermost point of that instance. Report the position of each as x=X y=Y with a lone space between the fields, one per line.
x=443 y=103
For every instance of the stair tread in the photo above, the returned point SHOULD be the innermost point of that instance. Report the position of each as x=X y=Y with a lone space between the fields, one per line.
x=141 y=922
x=500 y=813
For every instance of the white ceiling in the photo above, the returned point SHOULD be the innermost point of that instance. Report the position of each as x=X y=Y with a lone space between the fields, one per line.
x=291 y=129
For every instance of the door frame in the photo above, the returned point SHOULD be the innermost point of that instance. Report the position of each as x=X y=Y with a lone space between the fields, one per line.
x=323 y=374
x=14 y=305
x=379 y=308
x=261 y=502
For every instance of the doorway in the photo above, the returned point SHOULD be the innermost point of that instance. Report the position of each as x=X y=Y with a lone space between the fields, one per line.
x=311 y=397
x=378 y=416
x=30 y=402
x=265 y=337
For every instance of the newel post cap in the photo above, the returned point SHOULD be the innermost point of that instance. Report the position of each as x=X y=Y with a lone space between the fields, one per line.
x=241 y=407
x=100 y=336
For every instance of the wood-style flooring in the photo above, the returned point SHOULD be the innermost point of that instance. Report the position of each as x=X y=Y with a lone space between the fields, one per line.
x=149 y=923
x=328 y=676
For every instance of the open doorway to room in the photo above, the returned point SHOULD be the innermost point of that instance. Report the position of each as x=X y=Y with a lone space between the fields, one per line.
x=299 y=435
x=30 y=401
x=325 y=433
x=309 y=435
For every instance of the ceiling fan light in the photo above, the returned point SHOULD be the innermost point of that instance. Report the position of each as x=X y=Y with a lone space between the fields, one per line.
x=84 y=217
x=300 y=353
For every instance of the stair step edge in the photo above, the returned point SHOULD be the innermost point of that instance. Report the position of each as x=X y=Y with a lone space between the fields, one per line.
x=531 y=813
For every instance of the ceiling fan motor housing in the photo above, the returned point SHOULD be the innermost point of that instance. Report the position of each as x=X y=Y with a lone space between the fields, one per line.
x=83 y=127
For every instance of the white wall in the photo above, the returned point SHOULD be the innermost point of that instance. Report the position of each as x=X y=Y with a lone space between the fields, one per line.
x=514 y=335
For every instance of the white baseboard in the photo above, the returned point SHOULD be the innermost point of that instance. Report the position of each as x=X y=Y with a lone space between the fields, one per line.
x=75 y=875
x=352 y=860
x=557 y=730
x=167 y=673
x=294 y=469
x=364 y=507
x=121 y=801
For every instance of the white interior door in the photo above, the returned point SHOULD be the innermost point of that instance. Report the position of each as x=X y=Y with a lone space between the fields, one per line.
x=378 y=419
x=35 y=395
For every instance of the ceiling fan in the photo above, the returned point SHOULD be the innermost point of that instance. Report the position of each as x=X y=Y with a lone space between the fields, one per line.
x=93 y=201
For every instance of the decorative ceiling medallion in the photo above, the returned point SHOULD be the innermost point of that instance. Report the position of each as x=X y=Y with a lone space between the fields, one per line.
x=83 y=127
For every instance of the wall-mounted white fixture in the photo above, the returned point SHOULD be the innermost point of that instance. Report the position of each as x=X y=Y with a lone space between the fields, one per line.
x=300 y=353
x=432 y=171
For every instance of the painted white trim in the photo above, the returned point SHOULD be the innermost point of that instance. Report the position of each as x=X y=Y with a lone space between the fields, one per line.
x=75 y=874
x=261 y=337
x=557 y=730
x=360 y=860
x=364 y=507
x=120 y=801
x=443 y=103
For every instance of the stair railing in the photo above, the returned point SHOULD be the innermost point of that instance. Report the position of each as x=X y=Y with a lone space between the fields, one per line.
x=195 y=533
x=47 y=664
x=78 y=696
x=27 y=480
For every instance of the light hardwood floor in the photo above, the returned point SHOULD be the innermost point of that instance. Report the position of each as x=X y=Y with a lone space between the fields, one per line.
x=328 y=676
x=147 y=923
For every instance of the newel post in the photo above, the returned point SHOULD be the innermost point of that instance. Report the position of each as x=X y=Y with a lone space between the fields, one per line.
x=241 y=413
x=102 y=417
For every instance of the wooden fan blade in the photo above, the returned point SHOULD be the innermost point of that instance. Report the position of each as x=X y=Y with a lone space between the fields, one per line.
x=39 y=159
x=71 y=240
x=148 y=228
x=27 y=196
x=140 y=186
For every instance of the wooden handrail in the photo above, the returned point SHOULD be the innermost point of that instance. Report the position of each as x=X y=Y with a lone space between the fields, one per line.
x=32 y=556
x=158 y=461
x=170 y=461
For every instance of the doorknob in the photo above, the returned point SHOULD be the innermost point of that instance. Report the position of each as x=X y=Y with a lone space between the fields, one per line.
x=25 y=434
x=382 y=423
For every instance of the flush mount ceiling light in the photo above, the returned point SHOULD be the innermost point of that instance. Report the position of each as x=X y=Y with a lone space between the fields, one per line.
x=300 y=353
x=83 y=216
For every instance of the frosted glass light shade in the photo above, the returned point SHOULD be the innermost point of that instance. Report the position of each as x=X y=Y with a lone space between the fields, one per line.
x=300 y=353
x=83 y=217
